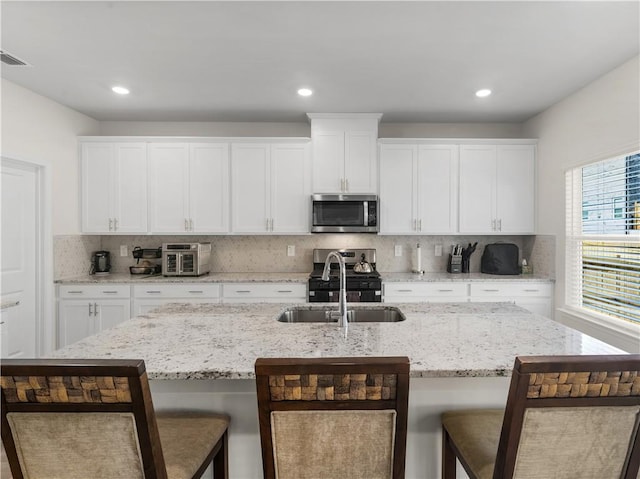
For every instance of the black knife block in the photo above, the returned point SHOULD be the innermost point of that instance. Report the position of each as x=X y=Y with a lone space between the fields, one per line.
x=455 y=264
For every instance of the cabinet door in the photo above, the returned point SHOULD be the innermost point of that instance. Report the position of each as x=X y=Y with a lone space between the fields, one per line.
x=360 y=166
x=397 y=189
x=168 y=185
x=515 y=183
x=97 y=187
x=249 y=188
x=209 y=188
x=477 y=188
x=110 y=313
x=74 y=321
x=328 y=162
x=437 y=198
x=130 y=188
x=290 y=192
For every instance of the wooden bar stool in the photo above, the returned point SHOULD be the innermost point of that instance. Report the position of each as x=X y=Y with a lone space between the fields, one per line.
x=333 y=417
x=566 y=417
x=78 y=419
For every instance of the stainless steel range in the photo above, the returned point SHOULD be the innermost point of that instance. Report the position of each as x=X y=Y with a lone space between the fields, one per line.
x=363 y=281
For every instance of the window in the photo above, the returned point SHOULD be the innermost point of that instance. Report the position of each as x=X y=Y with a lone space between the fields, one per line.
x=603 y=238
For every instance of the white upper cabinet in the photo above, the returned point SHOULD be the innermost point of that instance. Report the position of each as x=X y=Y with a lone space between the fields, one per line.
x=418 y=188
x=497 y=189
x=344 y=153
x=189 y=187
x=270 y=184
x=114 y=187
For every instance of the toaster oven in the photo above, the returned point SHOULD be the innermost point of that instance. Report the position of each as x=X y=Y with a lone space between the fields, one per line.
x=186 y=259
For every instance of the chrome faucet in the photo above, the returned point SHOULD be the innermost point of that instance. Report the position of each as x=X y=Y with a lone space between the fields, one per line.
x=342 y=305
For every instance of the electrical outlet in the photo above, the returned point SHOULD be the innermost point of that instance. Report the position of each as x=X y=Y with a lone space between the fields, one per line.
x=438 y=251
x=123 y=250
x=291 y=250
x=398 y=250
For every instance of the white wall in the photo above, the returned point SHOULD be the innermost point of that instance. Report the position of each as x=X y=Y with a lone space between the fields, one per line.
x=597 y=122
x=40 y=130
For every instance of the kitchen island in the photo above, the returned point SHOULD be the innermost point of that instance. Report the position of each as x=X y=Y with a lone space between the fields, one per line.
x=202 y=356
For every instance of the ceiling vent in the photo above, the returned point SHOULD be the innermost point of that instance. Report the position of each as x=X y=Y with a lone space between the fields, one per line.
x=9 y=59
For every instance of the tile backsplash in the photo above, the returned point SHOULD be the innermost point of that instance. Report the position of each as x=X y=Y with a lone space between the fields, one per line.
x=269 y=253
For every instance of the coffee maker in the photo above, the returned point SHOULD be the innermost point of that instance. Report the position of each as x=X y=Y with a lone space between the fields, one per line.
x=100 y=263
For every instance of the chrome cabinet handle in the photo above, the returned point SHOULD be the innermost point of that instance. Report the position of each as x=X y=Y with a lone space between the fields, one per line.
x=346 y=185
x=500 y=225
x=190 y=224
x=90 y=310
x=186 y=224
x=285 y=291
x=110 y=292
x=196 y=292
x=110 y=224
x=115 y=224
x=420 y=225
x=493 y=225
x=152 y=292
x=341 y=184
x=415 y=225
x=405 y=291
x=271 y=224
x=445 y=290
x=95 y=309
x=267 y=226
x=491 y=290
x=74 y=292
x=242 y=291
x=531 y=290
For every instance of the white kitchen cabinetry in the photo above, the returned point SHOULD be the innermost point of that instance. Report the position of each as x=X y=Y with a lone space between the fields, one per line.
x=536 y=297
x=114 y=187
x=264 y=293
x=150 y=296
x=189 y=187
x=344 y=153
x=430 y=292
x=270 y=186
x=497 y=188
x=84 y=310
x=418 y=188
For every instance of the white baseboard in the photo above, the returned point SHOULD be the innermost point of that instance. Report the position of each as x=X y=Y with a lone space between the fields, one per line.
x=614 y=332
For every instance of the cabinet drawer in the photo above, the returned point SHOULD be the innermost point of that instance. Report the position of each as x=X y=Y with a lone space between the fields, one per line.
x=489 y=289
x=264 y=290
x=182 y=290
x=79 y=291
x=445 y=289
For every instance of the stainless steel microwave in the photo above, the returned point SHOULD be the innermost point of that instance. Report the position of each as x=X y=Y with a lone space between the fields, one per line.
x=344 y=213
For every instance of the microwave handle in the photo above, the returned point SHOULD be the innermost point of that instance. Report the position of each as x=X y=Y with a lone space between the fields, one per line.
x=365 y=211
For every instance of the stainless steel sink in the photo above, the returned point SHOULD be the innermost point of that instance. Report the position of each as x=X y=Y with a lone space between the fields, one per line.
x=363 y=315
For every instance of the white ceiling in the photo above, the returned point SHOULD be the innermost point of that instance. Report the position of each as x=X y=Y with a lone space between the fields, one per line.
x=417 y=61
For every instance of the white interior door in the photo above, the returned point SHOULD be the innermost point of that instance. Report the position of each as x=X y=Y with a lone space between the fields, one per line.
x=18 y=260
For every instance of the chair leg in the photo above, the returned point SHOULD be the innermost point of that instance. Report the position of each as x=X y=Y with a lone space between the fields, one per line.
x=221 y=460
x=448 y=457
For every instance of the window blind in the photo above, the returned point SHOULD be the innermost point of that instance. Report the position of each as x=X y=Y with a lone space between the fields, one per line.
x=603 y=237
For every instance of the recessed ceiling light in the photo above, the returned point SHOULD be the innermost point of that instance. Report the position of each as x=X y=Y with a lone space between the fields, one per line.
x=483 y=93
x=305 y=92
x=120 y=90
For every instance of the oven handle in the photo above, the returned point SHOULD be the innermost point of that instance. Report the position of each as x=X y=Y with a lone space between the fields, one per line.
x=365 y=213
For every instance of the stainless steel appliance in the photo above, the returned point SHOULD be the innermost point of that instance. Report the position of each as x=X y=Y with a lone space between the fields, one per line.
x=344 y=214
x=100 y=263
x=186 y=259
x=362 y=287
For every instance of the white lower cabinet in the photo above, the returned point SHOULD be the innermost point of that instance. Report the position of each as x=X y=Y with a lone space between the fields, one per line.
x=436 y=292
x=150 y=296
x=536 y=297
x=84 y=310
x=264 y=293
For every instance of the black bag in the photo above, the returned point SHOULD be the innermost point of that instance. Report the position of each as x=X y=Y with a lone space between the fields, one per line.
x=500 y=258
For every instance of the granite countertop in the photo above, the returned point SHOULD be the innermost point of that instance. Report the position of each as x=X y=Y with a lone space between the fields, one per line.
x=217 y=341
x=466 y=277
x=207 y=278
x=291 y=278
